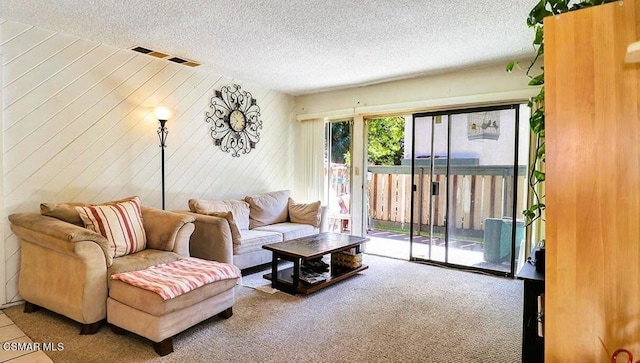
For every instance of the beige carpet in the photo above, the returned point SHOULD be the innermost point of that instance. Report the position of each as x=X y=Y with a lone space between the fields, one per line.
x=396 y=311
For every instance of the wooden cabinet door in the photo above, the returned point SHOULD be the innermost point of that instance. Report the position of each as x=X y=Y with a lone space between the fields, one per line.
x=593 y=184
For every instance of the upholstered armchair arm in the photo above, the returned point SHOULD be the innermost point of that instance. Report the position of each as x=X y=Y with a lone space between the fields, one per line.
x=63 y=267
x=167 y=231
x=211 y=239
x=57 y=235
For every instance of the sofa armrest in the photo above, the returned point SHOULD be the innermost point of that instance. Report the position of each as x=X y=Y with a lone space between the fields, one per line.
x=167 y=231
x=63 y=267
x=57 y=235
x=211 y=239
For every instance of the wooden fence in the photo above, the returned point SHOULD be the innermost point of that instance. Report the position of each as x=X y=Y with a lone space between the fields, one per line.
x=479 y=192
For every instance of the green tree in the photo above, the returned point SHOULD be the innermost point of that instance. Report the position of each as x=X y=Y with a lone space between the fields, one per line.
x=340 y=141
x=386 y=140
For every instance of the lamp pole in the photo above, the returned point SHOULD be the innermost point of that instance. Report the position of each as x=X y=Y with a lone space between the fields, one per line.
x=162 y=134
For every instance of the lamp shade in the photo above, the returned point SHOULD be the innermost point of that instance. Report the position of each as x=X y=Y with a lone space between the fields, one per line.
x=162 y=113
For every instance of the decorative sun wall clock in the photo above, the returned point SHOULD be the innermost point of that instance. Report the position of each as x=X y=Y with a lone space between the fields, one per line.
x=235 y=120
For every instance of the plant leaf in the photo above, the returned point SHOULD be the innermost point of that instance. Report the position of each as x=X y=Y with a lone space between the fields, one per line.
x=540 y=176
x=510 y=65
x=541 y=151
x=559 y=6
x=539 y=38
x=537 y=80
x=538 y=13
x=536 y=121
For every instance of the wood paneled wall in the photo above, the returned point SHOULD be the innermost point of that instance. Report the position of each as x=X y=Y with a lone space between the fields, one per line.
x=77 y=126
x=593 y=184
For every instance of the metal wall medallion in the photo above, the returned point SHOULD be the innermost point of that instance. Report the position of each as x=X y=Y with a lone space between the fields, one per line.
x=235 y=120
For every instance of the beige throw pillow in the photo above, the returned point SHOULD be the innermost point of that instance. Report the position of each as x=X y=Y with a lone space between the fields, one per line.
x=63 y=211
x=67 y=211
x=204 y=206
x=310 y=213
x=235 y=232
x=239 y=208
x=268 y=208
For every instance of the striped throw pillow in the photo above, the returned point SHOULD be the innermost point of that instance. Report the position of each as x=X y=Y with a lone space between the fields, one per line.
x=119 y=223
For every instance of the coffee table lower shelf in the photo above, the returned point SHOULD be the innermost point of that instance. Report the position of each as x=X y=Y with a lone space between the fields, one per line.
x=284 y=279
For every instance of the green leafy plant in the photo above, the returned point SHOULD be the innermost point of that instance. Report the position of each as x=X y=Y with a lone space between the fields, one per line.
x=386 y=141
x=535 y=19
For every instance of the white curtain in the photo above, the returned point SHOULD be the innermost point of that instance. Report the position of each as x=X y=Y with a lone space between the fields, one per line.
x=309 y=167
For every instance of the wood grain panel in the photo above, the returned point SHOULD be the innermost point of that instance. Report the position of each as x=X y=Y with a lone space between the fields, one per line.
x=8 y=33
x=408 y=182
x=61 y=104
x=441 y=201
x=466 y=201
x=21 y=38
x=393 y=198
x=478 y=221
x=426 y=191
x=50 y=51
x=78 y=126
x=592 y=194
x=496 y=197
x=486 y=198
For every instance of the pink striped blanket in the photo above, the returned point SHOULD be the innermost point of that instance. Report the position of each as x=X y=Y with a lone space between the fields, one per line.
x=173 y=279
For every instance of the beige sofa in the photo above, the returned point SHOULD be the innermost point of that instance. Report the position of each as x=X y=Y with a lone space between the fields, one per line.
x=237 y=229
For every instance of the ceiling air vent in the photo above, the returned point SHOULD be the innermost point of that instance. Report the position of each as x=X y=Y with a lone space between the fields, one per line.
x=184 y=62
x=141 y=50
x=157 y=54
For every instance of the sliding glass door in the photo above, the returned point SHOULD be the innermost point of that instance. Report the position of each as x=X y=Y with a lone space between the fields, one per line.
x=469 y=171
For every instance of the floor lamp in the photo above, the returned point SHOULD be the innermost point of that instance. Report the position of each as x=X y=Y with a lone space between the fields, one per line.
x=162 y=114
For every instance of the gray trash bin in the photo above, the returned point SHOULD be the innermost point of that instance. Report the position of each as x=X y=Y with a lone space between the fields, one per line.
x=497 y=239
x=505 y=237
x=492 y=234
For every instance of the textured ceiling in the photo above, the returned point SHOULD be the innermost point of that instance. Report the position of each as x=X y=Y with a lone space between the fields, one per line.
x=300 y=46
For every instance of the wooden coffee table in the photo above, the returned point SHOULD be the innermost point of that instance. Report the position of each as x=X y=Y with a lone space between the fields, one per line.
x=306 y=248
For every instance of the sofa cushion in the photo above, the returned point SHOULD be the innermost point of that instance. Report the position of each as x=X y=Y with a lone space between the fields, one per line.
x=67 y=211
x=289 y=230
x=304 y=213
x=253 y=240
x=63 y=211
x=203 y=206
x=120 y=224
x=236 y=237
x=241 y=211
x=268 y=208
x=239 y=208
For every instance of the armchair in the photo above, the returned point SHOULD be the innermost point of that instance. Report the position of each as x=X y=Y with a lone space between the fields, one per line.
x=65 y=268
